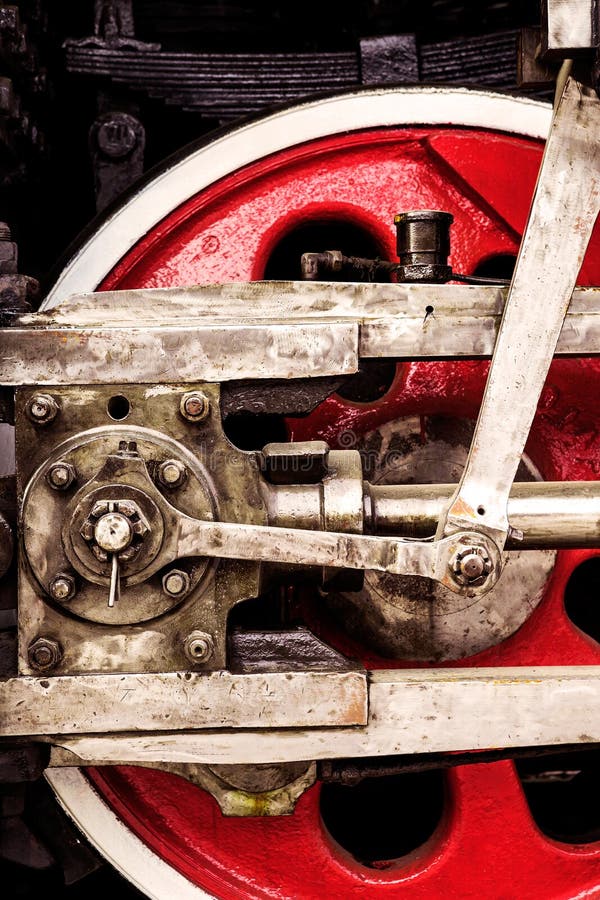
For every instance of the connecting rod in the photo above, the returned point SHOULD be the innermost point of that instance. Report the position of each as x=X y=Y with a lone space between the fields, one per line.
x=563 y=213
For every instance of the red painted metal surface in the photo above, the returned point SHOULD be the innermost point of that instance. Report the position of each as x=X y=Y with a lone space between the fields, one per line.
x=487 y=845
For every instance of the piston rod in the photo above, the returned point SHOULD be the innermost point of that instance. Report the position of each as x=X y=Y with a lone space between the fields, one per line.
x=550 y=515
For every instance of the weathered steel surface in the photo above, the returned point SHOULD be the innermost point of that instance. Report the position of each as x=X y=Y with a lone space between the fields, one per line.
x=410 y=711
x=563 y=214
x=176 y=701
x=264 y=330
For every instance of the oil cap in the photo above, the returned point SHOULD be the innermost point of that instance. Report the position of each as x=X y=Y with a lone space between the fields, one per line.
x=423 y=245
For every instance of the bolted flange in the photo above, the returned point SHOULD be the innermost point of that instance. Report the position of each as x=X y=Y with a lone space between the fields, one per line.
x=41 y=409
x=198 y=646
x=61 y=476
x=62 y=587
x=44 y=654
x=194 y=406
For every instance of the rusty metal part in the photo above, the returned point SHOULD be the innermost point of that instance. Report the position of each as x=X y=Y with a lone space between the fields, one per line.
x=42 y=409
x=402 y=617
x=62 y=587
x=117 y=142
x=292 y=397
x=328 y=549
x=176 y=583
x=8 y=248
x=171 y=473
x=532 y=71
x=297 y=650
x=263 y=790
x=112 y=526
x=113 y=29
x=470 y=565
x=194 y=406
x=423 y=245
x=294 y=463
x=61 y=476
x=44 y=654
x=333 y=263
x=198 y=647
x=202 y=82
x=389 y=59
x=353 y=771
x=108 y=474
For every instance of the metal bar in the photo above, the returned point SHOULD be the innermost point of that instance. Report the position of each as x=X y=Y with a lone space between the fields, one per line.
x=282 y=301
x=549 y=515
x=568 y=25
x=176 y=701
x=228 y=332
x=217 y=352
x=563 y=213
x=295 y=546
x=410 y=711
x=352 y=771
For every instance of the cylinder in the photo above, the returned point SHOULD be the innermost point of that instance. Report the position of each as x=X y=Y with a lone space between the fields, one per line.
x=423 y=245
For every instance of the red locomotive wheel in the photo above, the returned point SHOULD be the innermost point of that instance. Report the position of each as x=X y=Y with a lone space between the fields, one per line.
x=238 y=209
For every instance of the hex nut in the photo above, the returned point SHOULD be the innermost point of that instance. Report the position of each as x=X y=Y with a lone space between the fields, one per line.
x=194 y=406
x=61 y=476
x=176 y=583
x=62 y=587
x=114 y=526
x=44 y=654
x=171 y=473
x=471 y=565
x=41 y=409
x=198 y=646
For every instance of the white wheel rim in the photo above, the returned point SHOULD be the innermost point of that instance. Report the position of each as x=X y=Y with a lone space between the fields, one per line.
x=154 y=201
x=117 y=843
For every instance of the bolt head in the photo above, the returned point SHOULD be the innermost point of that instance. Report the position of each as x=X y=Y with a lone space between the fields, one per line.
x=44 y=654
x=42 y=409
x=116 y=135
x=198 y=647
x=194 y=406
x=62 y=587
x=113 y=532
x=171 y=473
x=61 y=476
x=176 y=583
